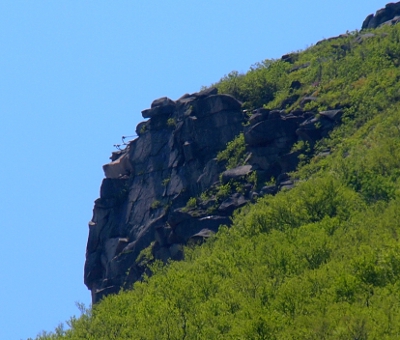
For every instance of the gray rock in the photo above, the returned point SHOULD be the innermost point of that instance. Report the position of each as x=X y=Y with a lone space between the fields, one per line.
x=236 y=173
x=143 y=199
x=161 y=106
x=265 y=132
x=307 y=100
x=289 y=58
x=209 y=175
x=164 y=101
x=232 y=203
x=333 y=115
x=201 y=236
x=382 y=16
x=269 y=190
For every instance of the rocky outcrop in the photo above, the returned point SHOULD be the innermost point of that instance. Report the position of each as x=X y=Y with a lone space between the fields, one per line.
x=389 y=15
x=167 y=189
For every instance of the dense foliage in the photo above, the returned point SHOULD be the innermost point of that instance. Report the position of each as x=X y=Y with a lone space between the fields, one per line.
x=321 y=261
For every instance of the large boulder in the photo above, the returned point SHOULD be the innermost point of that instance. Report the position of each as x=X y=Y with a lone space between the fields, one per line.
x=382 y=16
x=161 y=106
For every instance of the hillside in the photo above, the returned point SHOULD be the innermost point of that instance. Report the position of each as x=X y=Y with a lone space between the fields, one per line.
x=312 y=251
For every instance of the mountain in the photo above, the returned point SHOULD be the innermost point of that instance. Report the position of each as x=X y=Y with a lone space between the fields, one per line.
x=263 y=207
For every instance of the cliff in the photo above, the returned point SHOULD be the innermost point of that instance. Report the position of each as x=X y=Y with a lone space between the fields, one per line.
x=389 y=15
x=198 y=159
x=167 y=188
x=312 y=253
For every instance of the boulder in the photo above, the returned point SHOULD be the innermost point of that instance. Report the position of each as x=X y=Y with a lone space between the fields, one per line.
x=265 y=132
x=118 y=168
x=201 y=236
x=333 y=115
x=162 y=102
x=382 y=16
x=215 y=103
x=232 y=203
x=236 y=173
x=161 y=106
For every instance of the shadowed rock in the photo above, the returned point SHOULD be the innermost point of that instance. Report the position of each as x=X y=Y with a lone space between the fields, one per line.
x=388 y=15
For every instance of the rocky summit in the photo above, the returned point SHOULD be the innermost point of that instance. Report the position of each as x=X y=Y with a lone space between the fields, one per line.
x=389 y=15
x=150 y=196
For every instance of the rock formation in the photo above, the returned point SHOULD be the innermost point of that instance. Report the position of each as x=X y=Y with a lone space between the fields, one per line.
x=389 y=15
x=167 y=188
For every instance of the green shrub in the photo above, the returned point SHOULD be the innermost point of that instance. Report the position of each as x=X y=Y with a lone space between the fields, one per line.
x=234 y=153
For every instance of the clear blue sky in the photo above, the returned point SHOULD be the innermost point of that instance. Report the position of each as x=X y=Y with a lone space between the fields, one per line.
x=74 y=77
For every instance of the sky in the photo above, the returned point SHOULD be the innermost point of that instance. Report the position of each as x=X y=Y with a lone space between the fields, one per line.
x=74 y=77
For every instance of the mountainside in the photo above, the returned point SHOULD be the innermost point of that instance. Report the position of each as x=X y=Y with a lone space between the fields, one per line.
x=278 y=192
x=168 y=186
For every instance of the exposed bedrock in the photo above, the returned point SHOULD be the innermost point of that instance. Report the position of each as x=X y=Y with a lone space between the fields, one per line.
x=389 y=15
x=145 y=195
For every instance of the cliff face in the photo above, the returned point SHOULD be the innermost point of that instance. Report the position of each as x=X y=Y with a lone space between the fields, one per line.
x=150 y=196
x=389 y=15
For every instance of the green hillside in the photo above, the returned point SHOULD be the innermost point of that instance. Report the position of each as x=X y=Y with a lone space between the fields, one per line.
x=319 y=261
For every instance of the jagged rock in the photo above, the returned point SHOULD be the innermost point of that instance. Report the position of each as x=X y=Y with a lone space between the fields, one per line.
x=201 y=236
x=269 y=190
x=265 y=132
x=141 y=128
x=210 y=174
x=192 y=226
x=256 y=118
x=232 y=203
x=315 y=128
x=383 y=16
x=215 y=103
x=287 y=185
x=333 y=115
x=161 y=106
x=289 y=58
x=145 y=195
x=392 y=22
x=263 y=157
x=289 y=161
x=119 y=167
x=162 y=102
x=240 y=171
x=307 y=100
x=276 y=114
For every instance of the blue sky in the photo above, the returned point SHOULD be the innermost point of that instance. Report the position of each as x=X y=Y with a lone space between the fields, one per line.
x=74 y=76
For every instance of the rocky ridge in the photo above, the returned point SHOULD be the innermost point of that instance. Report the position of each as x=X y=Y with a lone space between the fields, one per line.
x=167 y=188
x=389 y=15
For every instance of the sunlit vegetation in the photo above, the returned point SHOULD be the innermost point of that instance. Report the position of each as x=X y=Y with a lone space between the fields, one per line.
x=320 y=261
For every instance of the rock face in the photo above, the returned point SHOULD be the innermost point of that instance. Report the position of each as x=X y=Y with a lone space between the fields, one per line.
x=167 y=189
x=389 y=15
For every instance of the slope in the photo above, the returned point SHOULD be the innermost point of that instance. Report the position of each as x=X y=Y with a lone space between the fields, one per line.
x=319 y=261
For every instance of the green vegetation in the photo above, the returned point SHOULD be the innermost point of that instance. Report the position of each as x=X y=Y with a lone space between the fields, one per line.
x=320 y=261
x=191 y=203
x=155 y=204
x=166 y=181
x=234 y=153
x=171 y=122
